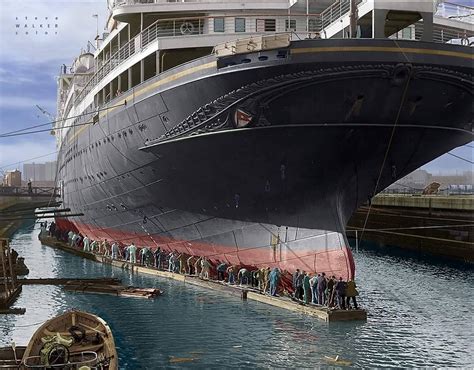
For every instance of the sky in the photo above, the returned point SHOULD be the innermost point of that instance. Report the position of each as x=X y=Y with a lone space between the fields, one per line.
x=29 y=64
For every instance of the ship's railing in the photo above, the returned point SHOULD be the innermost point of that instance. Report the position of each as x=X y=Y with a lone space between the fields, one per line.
x=180 y=27
x=335 y=12
x=445 y=34
x=118 y=3
x=296 y=23
x=458 y=12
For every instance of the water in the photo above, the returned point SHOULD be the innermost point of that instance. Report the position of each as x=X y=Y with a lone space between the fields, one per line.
x=419 y=315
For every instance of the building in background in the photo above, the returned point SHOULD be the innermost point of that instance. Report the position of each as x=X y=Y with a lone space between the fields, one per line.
x=12 y=178
x=40 y=174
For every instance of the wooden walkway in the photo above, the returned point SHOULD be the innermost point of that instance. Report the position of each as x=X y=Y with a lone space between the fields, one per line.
x=244 y=292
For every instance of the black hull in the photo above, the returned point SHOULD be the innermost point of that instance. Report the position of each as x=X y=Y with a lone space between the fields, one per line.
x=327 y=131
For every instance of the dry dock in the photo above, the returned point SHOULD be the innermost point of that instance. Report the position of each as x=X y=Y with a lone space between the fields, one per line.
x=322 y=313
x=439 y=225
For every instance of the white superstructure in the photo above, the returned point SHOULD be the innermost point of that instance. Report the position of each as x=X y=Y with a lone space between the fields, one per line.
x=147 y=37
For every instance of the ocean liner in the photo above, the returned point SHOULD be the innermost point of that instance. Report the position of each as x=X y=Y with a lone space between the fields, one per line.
x=249 y=131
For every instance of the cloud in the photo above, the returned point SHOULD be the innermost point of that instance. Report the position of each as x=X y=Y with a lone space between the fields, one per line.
x=15 y=102
x=449 y=164
x=13 y=154
x=70 y=27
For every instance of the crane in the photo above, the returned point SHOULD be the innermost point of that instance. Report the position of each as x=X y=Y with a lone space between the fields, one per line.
x=49 y=115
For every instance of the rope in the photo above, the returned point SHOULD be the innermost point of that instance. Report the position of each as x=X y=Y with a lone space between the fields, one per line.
x=21 y=131
x=402 y=102
x=415 y=227
x=463 y=159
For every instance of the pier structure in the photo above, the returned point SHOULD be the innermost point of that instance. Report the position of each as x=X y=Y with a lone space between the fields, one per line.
x=9 y=287
x=19 y=203
x=245 y=292
x=440 y=225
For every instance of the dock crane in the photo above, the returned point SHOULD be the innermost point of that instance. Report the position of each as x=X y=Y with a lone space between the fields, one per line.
x=49 y=115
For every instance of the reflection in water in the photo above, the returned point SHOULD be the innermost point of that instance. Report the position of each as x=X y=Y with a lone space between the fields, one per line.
x=417 y=317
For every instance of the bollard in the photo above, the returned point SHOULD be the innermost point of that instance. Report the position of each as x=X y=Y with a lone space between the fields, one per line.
x=244 y=295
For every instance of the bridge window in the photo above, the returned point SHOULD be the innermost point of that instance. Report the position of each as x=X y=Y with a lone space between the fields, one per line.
x=239 y=24
x=290 y=24
x=406 y=33
x=266 y=25
x=218 y=24
x=313 y=25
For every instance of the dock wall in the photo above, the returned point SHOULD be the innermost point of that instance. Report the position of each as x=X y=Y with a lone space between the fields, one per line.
x=441 y=226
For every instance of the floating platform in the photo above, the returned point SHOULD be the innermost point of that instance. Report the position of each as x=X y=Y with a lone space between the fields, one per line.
x=117 y=290
x=322 y=313
x=12 y=311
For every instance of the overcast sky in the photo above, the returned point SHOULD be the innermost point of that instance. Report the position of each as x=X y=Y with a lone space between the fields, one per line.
x=30 y=63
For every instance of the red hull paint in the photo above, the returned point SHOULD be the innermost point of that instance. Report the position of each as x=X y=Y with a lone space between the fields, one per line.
x=338 y=261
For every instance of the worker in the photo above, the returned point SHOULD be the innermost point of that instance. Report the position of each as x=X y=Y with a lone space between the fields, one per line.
x=143 y=255
x=274 y=277
x=85 y=244
x=43 y=229
x=197 y=267
x=94 y=246
x=299 y=286
x=221 y=269
x=132 y=250
x=115 y=250
x=351 y=292
x=69 y=236
x=182 y=263
x=52 y=229
x=190 y=265
x=243 y=276
x=330 y=291
x=265 y=279
x=157 y=255
x=306 y=288
x=322 y=284
x=256 y=278
x=14 y=255
x=171 y=262
x=231 y=274
x=206 y=268
x=105 y=248
x=340 y=289
x=78 y=240
x=313 y=283
x=126 y=253
x=72 y=240
x=296 y=274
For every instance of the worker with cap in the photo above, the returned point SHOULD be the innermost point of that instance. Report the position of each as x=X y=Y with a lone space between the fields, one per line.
x=306 y=288
x=197 y=267
x=85 y=244
x=132 y=250
x=143 y=255
x=274 y=278
x=244 y=276
x=115 y=250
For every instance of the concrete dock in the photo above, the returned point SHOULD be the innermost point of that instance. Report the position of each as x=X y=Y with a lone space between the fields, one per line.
x=439 y=225
x=322 y=313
